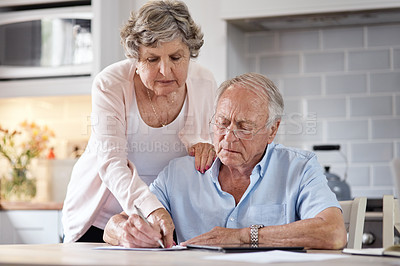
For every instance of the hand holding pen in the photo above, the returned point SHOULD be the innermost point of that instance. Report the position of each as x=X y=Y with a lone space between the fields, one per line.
x=139 y=212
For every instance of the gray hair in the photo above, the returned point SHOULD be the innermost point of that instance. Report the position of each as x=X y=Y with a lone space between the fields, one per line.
x=263 y=88
x=160 y=21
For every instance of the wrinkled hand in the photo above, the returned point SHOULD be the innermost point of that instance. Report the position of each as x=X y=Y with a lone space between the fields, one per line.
x=162 y=218
x=219 y=235
x=132 y=231
x=204 y=155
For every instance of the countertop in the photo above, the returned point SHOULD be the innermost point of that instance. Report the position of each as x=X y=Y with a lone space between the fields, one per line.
x=5 y=205
x=84 y=254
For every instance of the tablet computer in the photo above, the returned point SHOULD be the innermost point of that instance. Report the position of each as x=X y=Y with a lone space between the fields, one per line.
x=237 y=248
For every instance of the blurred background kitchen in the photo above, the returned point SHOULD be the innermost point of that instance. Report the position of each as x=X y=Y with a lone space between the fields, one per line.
x=336 y=63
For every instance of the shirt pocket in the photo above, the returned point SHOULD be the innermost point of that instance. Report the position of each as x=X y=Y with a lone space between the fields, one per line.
x=267 y=214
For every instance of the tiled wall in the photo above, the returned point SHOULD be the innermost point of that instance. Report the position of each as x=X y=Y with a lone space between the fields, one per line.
x=341 y=85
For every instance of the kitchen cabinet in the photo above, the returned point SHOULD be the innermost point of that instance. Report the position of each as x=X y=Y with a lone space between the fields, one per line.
x=46 y=87
x=30 y=227
x=239 y=9
x=30 y=223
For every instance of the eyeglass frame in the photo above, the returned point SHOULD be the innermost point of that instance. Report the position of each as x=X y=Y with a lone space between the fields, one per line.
x=234 y=131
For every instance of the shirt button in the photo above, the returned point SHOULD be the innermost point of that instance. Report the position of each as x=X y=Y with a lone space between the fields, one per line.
x=232 y=219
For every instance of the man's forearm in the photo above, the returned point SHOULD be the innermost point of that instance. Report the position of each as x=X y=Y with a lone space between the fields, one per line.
x=318 y=233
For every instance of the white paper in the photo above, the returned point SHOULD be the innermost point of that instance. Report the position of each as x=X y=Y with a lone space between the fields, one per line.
x=174 y=248
x=275 y=256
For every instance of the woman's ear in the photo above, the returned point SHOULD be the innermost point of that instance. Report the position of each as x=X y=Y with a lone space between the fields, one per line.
x=274 y=130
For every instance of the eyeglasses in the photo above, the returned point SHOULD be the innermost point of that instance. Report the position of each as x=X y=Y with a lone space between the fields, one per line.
x=239 y=133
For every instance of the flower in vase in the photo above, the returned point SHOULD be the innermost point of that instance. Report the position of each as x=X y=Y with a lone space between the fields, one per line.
x=19 y=147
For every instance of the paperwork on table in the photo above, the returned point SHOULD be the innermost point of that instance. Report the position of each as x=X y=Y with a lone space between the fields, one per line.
x=174 y=248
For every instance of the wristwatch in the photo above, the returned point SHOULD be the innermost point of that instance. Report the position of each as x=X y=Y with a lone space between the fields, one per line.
x=254 y=234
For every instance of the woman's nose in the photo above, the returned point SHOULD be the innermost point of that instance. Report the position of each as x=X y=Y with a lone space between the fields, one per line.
x=165 y=68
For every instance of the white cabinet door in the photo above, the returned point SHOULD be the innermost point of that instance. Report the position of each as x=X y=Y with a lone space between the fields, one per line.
x=30 y=227
x=239 y=9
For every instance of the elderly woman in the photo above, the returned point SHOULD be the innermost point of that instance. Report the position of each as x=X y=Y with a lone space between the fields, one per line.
x=146 y=110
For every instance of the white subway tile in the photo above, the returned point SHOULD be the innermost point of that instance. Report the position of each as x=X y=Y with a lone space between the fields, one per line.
x=385 y=128
x=358 y=176
x=372 y=192
x=293 y=107
x=369 y=60
x=397 y=105
x=382 y=176
x=385 y=35
x=301 y=129
x=252 y=63
x=344 y=83
x=280 y=64
x=367 y=152
x=347 y=130
x=328 y=107
x=385 y=82
x=298 y=40
x=397 y=145
x=323 y=62
x=337 y=38
x=396 y=58
x=302 y=86
x=260 y=43
x=370 y=106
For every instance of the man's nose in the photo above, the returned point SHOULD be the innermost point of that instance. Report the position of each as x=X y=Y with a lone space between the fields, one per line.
x=230 y=135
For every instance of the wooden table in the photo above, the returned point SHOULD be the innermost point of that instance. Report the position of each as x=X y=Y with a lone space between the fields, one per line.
x=84 y=254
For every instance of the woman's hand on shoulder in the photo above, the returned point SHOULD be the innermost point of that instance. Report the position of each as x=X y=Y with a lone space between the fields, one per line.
x=204 y=155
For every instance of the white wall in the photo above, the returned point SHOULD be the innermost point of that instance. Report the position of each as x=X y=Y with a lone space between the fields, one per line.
x=213 y=54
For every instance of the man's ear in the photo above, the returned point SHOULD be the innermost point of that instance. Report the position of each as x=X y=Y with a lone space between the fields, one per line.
x=274 y=130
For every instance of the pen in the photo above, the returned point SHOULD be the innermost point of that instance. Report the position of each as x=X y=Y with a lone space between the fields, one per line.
x=139 y=212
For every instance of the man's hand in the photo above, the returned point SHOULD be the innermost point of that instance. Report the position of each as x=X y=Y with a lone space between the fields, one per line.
x=132 y=231
x=220 y=235
x=204 y=155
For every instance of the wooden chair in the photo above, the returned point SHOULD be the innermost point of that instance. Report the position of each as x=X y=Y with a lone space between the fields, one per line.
x=391 y=211
x=354 y=217
x=391 y=220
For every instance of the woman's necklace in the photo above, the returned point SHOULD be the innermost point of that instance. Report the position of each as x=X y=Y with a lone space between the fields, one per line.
x=154 y=110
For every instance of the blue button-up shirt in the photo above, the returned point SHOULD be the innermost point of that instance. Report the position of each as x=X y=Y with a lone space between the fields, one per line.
x=285 y=186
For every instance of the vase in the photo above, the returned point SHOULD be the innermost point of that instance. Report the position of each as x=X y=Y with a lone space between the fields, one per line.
x=17 y=185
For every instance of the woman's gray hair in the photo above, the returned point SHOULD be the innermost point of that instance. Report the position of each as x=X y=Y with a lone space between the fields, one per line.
x=262 y=87
x=160 y=21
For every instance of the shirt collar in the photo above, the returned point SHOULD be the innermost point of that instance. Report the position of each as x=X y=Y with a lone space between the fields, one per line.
x=261 y=167
x=214 y=170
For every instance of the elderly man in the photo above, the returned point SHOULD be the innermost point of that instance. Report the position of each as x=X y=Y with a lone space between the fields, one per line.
x=256 y=191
